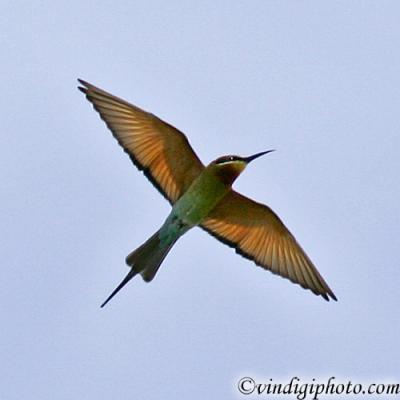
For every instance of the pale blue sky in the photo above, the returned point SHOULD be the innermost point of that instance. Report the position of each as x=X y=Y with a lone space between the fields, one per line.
x=318 y=81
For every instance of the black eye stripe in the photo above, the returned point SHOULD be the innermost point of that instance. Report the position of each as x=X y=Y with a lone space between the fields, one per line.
x=225 y=159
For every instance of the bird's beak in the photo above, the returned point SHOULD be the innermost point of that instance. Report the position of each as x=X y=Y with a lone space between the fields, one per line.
x=254 y=156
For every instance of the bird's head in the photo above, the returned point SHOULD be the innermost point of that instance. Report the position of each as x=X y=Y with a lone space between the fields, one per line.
x=228 y=168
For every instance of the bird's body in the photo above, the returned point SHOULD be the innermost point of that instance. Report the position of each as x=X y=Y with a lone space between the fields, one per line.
x=200 y=196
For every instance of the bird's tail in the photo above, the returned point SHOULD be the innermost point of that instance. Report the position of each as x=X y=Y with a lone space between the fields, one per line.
x=145 y=260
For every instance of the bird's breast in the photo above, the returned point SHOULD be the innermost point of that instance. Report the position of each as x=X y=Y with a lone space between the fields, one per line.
x=201 y=197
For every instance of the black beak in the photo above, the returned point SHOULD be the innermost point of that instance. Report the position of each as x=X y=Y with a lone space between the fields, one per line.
x=254 y=156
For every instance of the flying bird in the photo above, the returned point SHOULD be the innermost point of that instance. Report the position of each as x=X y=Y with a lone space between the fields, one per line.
x=200 y=196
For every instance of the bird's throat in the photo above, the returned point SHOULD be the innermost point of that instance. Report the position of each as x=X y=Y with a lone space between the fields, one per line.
x=228 y=174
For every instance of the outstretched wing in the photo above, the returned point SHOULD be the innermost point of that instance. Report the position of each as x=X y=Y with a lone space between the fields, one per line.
x=158 y=149
x=257 y=233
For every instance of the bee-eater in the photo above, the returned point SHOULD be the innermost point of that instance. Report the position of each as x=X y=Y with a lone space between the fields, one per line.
x=200 y=196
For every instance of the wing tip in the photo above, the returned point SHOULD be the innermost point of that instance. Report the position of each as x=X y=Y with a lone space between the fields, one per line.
x=332 y=296
x=328 y=295
x=83 y=82
x=84 y=87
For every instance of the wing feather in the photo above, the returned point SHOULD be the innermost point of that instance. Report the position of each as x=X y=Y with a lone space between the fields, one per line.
x=158 y=149
x=257 y=233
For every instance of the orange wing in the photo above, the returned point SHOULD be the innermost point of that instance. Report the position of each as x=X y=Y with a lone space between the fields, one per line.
x=257 y=233
x=158 y=149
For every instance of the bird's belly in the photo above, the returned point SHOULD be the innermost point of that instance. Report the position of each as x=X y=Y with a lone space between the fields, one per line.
x=187 y=212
